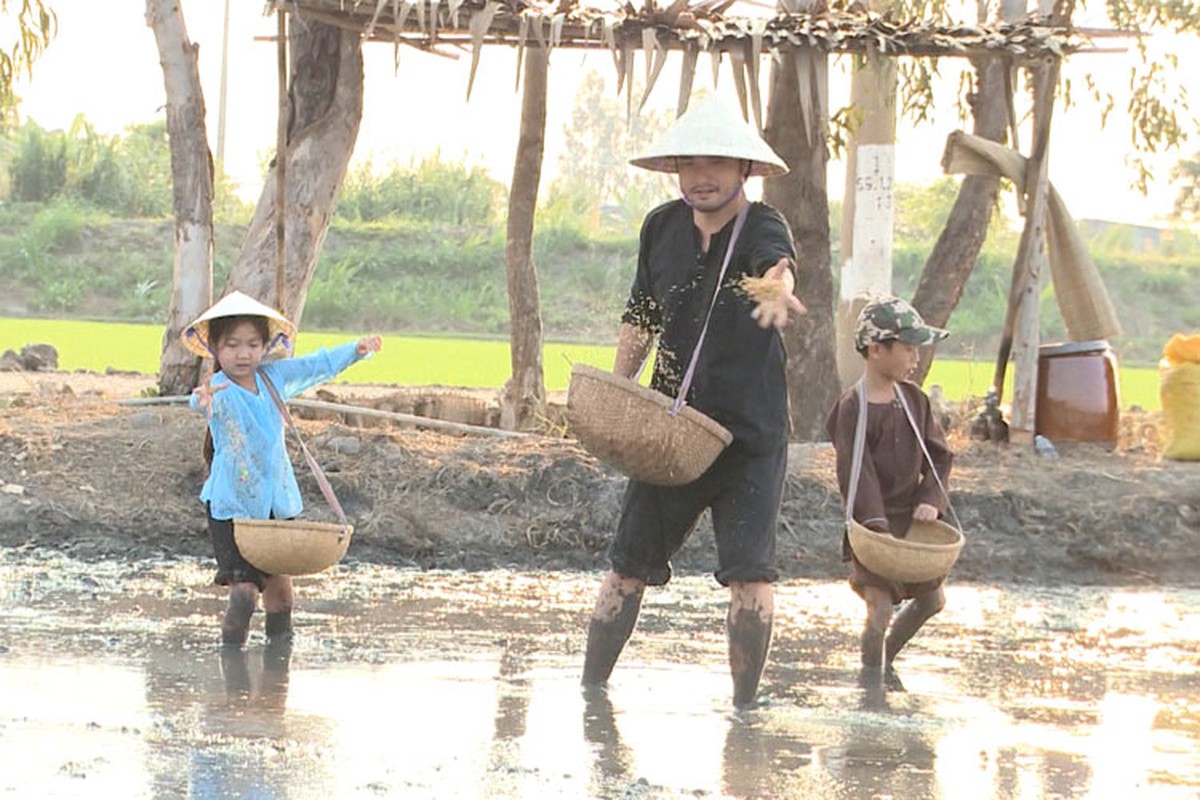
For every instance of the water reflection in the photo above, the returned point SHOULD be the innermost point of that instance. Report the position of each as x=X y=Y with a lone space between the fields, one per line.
x=251 y=719
x=764 y=759
x=429 y=685
x=612 y=759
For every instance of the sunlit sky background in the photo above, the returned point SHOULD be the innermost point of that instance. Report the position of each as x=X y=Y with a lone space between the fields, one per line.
x=104 y=64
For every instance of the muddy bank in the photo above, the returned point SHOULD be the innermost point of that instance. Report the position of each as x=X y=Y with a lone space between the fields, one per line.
x=94 y=480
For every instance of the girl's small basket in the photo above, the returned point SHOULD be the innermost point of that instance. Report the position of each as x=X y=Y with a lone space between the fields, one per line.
x=927 y=552
x=291 y=547
x=630 y=427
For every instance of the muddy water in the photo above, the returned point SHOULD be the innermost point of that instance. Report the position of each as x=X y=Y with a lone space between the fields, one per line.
x=464 y=685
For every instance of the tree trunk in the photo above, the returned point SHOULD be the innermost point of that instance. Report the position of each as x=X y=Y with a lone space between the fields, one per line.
x=525 y=393
x=953 y=256
x=326 y=99
x=801 y=196
x=192 y=188
x=867 y=208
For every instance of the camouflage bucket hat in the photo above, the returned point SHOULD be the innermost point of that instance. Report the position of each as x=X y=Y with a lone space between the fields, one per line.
x=891 y=318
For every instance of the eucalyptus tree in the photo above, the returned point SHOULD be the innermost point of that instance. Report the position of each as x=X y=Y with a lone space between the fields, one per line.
x=1186 y=174
x=192 y=192
x=32 y=23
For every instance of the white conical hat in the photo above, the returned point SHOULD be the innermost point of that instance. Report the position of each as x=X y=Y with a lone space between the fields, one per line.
x=711 y=128
x=236 y=304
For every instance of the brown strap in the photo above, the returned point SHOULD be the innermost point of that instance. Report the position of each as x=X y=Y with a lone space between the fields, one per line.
x=319 y=473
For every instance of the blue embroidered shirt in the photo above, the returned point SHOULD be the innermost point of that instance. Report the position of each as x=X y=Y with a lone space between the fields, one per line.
x=251 y=475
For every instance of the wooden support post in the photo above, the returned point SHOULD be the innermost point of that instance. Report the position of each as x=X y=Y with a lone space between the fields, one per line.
x=524 y=398
x=1028 y=268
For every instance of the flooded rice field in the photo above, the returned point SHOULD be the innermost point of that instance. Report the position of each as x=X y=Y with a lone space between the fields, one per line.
x=421 y=684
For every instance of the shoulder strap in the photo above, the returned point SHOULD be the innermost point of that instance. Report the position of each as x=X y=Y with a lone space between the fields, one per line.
x=856 y=457
x=739 y=222
x=319 y=473
x=912 y=422
x=860 y=439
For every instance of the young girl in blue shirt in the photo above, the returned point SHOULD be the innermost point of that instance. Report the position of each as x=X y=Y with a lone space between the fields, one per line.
x=250 y=475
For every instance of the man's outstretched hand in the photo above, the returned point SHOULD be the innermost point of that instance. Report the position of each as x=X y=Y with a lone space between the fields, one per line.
x=774 y=295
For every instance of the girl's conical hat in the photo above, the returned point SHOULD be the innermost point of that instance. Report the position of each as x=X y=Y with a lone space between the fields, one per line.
x=235 y=304
x=711 y=128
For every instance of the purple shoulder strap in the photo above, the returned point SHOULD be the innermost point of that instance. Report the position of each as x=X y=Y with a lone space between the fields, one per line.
x=681 y=398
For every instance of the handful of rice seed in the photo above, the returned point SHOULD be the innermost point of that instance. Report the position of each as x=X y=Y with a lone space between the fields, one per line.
x=762 y=290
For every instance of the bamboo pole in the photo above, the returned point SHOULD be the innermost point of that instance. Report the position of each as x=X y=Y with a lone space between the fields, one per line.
x=221 y=104
x=432 y=423
x=281 y=165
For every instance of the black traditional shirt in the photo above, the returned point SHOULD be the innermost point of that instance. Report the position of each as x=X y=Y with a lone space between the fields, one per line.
x=740 y=380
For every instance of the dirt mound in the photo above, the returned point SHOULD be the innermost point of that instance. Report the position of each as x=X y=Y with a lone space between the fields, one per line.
x=81 y=474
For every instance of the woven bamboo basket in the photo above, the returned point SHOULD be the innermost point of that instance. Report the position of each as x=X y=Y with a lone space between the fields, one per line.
x=927 y=552
x=630 y=427
x=291 y=547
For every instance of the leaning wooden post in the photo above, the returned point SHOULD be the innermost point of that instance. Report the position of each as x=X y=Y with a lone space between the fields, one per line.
x=1031 y=257
x=1032 y=251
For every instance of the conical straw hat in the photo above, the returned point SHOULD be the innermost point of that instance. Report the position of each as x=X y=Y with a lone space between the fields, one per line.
x=235 y=304
x=711 y=128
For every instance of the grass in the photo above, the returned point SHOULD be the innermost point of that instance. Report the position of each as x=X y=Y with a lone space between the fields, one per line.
x=433 y=361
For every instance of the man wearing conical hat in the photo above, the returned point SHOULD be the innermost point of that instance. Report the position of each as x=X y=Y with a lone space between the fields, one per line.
x=689 y=289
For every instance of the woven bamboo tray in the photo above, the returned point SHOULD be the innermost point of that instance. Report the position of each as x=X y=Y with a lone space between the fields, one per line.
x=630 y=427
x=291 y=547
x=927 y=552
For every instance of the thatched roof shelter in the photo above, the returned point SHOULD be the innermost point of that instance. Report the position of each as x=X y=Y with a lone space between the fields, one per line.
x=739 y=30
x=681 y=26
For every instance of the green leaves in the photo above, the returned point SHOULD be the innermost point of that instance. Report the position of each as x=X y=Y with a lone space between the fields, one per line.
x=35 y=27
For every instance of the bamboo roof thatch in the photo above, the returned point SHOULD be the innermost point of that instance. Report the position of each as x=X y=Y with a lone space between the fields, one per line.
x=684 y=25
x=740 y=31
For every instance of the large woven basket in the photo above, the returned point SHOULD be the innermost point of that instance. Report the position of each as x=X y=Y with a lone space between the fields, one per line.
x=630 y=427
x=926 y=553
x=291 y=547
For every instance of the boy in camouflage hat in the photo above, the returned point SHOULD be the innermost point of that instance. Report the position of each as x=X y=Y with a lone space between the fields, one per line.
x=897 y=483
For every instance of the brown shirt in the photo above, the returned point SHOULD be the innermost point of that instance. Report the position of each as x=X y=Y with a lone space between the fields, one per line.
x=895 y=476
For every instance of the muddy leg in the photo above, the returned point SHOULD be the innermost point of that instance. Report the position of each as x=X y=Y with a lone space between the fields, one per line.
x=751 y=611
x=279 y=627
x=235 y=627
x=879 y=614
x=911 y=618
x=611 y=624
x=277 y=602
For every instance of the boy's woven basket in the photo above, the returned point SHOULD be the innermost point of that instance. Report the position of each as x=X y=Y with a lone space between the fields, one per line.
x=291 y=547
x=630 y=427
x=928 y=551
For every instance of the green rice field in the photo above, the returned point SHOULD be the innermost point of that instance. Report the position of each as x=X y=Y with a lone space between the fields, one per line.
x=437 y=361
